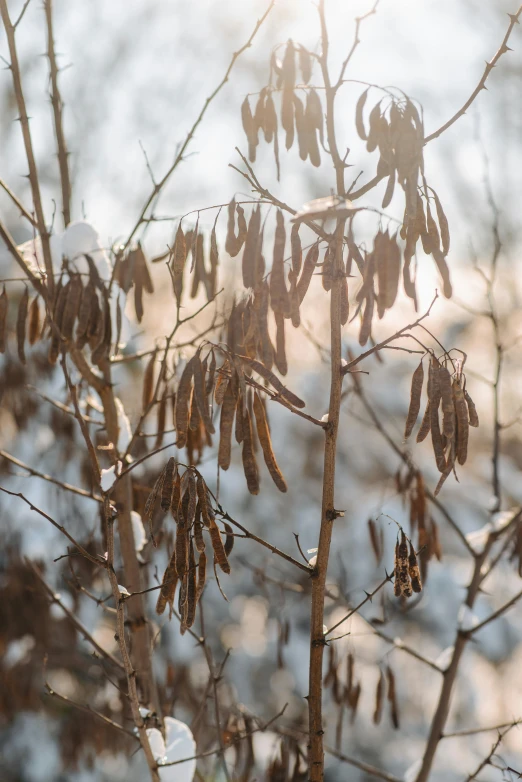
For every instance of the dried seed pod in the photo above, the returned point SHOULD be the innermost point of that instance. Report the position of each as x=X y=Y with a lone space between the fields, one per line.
x=379 y=697
x=220 y=556
x=226 y=423
x=151 y=500
x=161 y=419
x=200 y=394
x=229 y=540
x=182 y=402
x=359 y=119
x=305 y=63
x=301 y=127
x=181 y=549
x=171 y=471
x=270 y=126
x=207 y=512
x=461 y=412
x=425 y=426
x=209 y=387
x=415 y=399
x=198 y=531
x=261 y=306
x=176 y=499
x=248 y=456
x=402 y=575
x=34 y=321
x=21 y=324
x=190 y=614
x=221 y=387
x=141 y=270
x=288 y=116
x=278 y=291
x=147 y=393
x=253 y=242
x=312 y=256
x=84 y=313
x=168 y=585
x=297 y=252
x=443 y=225
x=436 y=438
x=250 y=129
x=472 y=410
x=413 y=569
x=280 y=351
x=448 y=408
x=375 y=540
x=202 y=575
x=396 y=584
x=392 y=697
x=179 y=258
x=4 y=305
x=192 y=500
x=442 y=266
x=263 y=433
x=266 y=374
x=366 y=323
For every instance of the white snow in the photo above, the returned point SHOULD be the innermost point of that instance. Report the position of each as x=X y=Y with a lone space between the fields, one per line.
x=179 y=743
x=124 y=427
x=466 y=619
x=411 y=773
x=123 y=590
x=138 y=530
x=18 y=651
x=109 y=475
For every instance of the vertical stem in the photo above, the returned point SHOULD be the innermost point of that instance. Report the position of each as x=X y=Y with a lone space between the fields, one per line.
x=24 y=122
x=328 y=513
x=56 y=101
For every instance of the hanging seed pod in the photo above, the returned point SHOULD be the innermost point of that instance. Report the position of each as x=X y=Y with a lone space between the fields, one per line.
x=192 y=500
x=359 y=119
x=182 y=602
x=425 y=426
x=176 y=499
x=194 y=416
x=402 y=575
x=214 y=262
x=221 y=387
x=101 y=349
x=141 y=270
x=314 y=115
x=198 y=530
x=220 y=556
x=238 y=432
x=374 y=540
x=442 y=266
x=138 y=301
x=301 y=127
x=270 y=126
x=297 y=252
x=161 y=419
x=415 y=399
x=226 y=423
x=178 y=263
x=265 y=440
x=229 y=540
x=413 y=569
x=379 y=697
x=84 y=313
x=253 y=241
x=181 y=549
x=182 y=402
x=443 y=225
x=190 y=615
x=207 y=512
x=202 y=575
x=21 y=324
x=392 y=697
x=448 y=408
x=269 y=376
x=295 y=315
x=261 y=305
x=472 y=410
x=366 y=323
x=171 y=471
x=151 y=500
x=288 y=116
x=200 y=394
x=34 y=321
x=250 y=129
x=436 y=438
x=248 y=456
x=209 y=387
x=309 y=266
x=278 y=292
x=259 y=112
x=4 y=305
x=280 y=350
x=147 y=393
x=461 y=413
x=198 y=263
x=168 y=585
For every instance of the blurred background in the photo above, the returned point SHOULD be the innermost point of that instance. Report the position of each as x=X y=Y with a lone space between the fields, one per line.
x=135 y=75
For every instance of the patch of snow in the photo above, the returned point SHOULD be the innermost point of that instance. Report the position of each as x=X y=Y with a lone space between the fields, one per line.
x=138 y=530
x=179 y=743
x=109 y=475
x=444 y=658
x=466 y=619
x=124 y=427
x=18 y=651
x=123 y=590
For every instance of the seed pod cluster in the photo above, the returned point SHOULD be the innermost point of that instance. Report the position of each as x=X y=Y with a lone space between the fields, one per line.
x=382 y=266
x=301 y=120
x=188 y=499
x=192 y=411
x=402 y=583
x=410 y=486
x=132 y=270
x=449 y=440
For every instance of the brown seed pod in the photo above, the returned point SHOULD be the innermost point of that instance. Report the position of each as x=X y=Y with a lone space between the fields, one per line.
x=171 y=471
x=248 y=456
x=436 y=438
x=4 y=305
x=472 y=410
x=162 y=418
x=415 y=399
x=21 y=324
x=280 y=350
x=168 y=585
x=297 y=252
x=202 y=574
x=221 y=387
x=198 y=531
x=401 y=568
x=176 y=499
x=375 y=540
x=190 y=615
x=366 y=323
x=448 y=408
x=253 y=242
x=261 y=306
x=147 y=393
x=220 y=556
x=379 y=697
x=413 y=569
x=266 y=374
x=295 y=315
x=181 y=549
x=425 y=426
x=392 y=697
x=209 y=387
x=263 y=434
x=226 y=423
x=151 y=499
x=182 y=402
x=301 y=127
x=192 y=501
x=207 y=513
x=179 y=258
x=278 y=291
x=314 y=116
x=442 y=266
x=34 y=321
x=229 y=540
x=250 y=129
x=201 y=395
x=288 y=116
x=443 y=225
x=359 y=119
x=461 y=413
x=138 y=301
x=84 y=313
x=270 y=126
x=309 y=266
